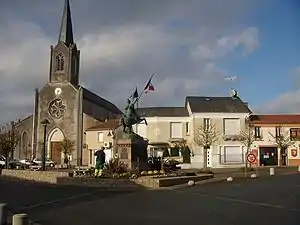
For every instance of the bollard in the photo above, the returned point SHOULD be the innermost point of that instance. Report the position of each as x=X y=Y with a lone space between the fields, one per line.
x=298 y=168
x=20 y=219
x=191 y=183
x=272 y=171
x=229 y=179
x=3 y=214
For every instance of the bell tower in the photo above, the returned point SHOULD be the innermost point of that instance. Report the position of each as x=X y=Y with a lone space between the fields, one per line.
x=65 y=57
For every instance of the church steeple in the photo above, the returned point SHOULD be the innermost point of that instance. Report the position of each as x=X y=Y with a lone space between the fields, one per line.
x=64 y=61
x=66 y=28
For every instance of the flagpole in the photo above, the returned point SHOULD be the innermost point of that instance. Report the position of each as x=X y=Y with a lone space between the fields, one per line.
x=137 y=107
x=137 y=99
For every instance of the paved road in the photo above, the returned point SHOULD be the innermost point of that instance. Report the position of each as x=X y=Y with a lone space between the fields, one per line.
x=274 y=200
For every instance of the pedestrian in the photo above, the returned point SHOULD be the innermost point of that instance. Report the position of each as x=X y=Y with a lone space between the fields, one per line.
x=100 y=161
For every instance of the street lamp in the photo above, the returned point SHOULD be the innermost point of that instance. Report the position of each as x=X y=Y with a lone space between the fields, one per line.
x=112 y=133
x=45 y=122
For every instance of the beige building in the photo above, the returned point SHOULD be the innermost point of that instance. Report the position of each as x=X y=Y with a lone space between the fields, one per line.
x=100 y=136
x=266 y=129
x=169 y=125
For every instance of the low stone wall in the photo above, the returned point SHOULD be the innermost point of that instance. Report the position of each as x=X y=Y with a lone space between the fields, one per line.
x=106 y=183
x=38 y=176
x=62 y=178
x=147 y=182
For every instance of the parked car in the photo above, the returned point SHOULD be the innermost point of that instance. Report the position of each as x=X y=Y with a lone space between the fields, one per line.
x=25 y=162
x=35 y=166
x=154 y=163
x=2 y=161
x=49 y=162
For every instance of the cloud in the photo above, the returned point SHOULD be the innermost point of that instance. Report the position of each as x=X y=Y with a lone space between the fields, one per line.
x=247 y=39
x=286 y=103
x=121 y=50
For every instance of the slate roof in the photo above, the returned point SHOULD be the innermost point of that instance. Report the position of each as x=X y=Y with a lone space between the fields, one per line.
x=110 y=124
x=275 y=119
x=92 y=97
x=204 y=104
x=163 y=112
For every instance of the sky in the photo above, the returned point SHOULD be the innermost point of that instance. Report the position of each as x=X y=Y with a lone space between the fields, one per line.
x=191 y=45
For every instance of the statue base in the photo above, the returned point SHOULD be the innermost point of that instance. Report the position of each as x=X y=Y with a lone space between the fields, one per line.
x=131 y=149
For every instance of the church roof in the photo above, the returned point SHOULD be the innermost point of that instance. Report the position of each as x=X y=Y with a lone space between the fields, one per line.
x=92 y=97
x=66 y=28
x=107 y=125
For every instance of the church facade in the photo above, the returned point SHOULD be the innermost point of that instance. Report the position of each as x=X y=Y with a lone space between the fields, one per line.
x=69 y=107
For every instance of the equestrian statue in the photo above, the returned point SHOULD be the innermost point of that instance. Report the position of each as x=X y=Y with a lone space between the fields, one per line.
x=131 y=116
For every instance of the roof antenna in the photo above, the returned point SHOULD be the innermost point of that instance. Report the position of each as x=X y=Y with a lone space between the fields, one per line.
x=233 y=93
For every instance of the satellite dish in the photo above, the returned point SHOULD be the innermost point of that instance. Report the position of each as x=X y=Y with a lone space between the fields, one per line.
x=233 y=93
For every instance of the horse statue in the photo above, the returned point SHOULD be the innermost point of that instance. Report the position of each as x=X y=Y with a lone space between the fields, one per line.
x=131 y=117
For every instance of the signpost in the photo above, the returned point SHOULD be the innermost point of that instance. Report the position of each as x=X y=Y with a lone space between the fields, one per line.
x=252 y=159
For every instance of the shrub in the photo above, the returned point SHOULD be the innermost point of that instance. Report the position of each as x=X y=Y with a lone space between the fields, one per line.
x=115 y=166
x=144 y=173
x=116 y=176
x=134 y=176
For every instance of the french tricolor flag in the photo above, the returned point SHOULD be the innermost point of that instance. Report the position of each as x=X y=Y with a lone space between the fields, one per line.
x=149 y=86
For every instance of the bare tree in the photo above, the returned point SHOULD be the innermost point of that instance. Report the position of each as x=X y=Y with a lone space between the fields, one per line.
x=204 y=137
x=67 y=147
x=283 y=140
x=8 y=141
x=247 y=137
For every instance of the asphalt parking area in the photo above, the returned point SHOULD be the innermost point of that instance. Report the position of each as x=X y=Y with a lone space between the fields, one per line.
x=273 y=200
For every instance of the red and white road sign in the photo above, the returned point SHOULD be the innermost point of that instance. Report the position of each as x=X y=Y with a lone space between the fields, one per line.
x=251 y=158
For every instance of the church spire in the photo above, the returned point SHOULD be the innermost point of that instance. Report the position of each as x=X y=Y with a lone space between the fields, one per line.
x=66 y=29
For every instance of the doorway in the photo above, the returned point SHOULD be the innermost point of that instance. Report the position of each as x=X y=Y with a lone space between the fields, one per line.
x=268 y=156
x=56 y=152
x=56 y=137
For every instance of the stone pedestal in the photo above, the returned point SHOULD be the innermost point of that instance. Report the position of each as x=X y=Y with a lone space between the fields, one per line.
x=131 y=149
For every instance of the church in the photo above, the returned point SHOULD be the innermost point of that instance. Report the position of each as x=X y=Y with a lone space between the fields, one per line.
x=69 y=107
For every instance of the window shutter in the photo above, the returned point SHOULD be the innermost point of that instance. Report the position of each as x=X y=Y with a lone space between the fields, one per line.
x=176 y=130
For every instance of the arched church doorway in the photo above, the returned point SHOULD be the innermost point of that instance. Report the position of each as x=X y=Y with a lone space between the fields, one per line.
x=25 y=152
x=56 y=136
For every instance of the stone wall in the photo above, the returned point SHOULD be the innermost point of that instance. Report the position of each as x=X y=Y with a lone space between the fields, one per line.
x=23 y=131
x=62 y=178
x=101 y=183
x=37 y=176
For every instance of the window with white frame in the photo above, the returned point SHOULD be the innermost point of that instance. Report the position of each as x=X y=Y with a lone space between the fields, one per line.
x=206 y=123
x=100 y=137
x=176 y=130
x=231 y=154
x=232 y=126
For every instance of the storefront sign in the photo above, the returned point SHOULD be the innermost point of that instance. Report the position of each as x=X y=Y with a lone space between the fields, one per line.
x=294 y=152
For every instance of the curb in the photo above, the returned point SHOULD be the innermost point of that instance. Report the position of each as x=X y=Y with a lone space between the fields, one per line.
x=222 y=179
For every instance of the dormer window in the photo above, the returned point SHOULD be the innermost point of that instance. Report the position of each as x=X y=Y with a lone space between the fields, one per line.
x=60 y=62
